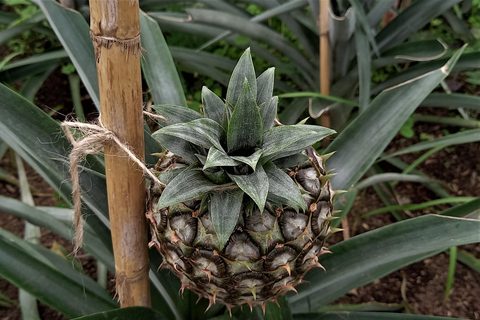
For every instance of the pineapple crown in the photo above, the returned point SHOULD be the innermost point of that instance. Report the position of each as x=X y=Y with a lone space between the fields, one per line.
x=234 y=149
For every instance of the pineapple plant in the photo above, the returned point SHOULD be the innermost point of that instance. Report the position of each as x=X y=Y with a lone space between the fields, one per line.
x=245 y=204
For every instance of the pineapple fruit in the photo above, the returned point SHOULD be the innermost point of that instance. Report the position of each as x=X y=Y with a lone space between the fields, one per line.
x=246 y=202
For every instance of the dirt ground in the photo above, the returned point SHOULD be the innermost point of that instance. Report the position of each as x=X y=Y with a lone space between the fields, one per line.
x=423 y=282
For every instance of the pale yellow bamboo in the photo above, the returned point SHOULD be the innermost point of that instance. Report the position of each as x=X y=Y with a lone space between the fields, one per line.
x=115 y=29
x=324 y=49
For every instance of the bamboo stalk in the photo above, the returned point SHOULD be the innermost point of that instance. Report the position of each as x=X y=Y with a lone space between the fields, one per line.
x=323 y=24
x=115 y=30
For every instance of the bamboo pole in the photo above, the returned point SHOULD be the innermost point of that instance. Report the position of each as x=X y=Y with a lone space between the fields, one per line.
x=115 y=30
x=324 y=49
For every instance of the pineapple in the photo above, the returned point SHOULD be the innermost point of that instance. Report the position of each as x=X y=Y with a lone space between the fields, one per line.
x=246 y=202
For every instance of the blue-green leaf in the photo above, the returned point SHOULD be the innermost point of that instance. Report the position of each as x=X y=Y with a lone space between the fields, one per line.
x=250 y=160
x=219 y=158
x=254 y=184
x=268 y=112
x=243 y=70
x=283 y=141
x=224 y=208
x=265 y=83
x=245 y=130
x=213 y=106
x=188 y=185
x=202 y=132
x=282 y=189
x=175 y=114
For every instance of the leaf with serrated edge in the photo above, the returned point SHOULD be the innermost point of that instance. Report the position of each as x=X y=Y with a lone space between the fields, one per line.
x=213 y=106
x=202 y=132
x=268 y=112
x=282 y=189
x=224 y=208
x=283 y=141
x=265 y=83
x=175 y=114
x=186 y=186
x=245 y=127
x=251 y=160
x=255 y=185
x=219 y=158
x=243 y=70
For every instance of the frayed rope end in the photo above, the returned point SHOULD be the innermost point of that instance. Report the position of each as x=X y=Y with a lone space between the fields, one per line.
x=95 y=137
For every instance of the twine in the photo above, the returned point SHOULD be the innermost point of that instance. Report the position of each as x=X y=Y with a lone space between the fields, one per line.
x=95 y=137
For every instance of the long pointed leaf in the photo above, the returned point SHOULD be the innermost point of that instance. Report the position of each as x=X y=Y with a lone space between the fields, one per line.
x=255 y=185
x=245 y=130
x=158 y=66
x=368 y=135
x=224 y=208
x=202 y=132
x=243 y=70
x=188 y=185
x=282 y=189
x=374 y=254
x=41 y=280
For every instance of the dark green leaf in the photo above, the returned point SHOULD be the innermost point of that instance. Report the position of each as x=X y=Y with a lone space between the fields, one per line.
x=281 y=312
x=250 y=160
x=213 y=106
x=177 y=146
x=175 y=114
x=73 y=32
x=188 y=185
x=283 y=141
x=269 y=112
x=451 y=139
x=202 y=132
x=254 y=184
x=22 y=266
x=245 y=130
x=224 y=208
x=364 y=68
x=243 y=70
x=374 y=254
x=219 y=158
x=158 y=66
x=366 y=137
x=453 y=100
x=265 y=83
x=282 y=189
x=130 y=313
x=38 y=217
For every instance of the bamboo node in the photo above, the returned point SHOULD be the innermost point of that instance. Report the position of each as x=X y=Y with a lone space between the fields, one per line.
x=130 y=45
x=94 y=137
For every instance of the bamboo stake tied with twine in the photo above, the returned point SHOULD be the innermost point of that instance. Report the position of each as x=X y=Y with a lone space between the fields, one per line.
x=115 y=31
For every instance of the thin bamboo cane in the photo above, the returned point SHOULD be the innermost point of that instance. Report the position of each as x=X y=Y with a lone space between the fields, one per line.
x=323 y=24
x=115 y=30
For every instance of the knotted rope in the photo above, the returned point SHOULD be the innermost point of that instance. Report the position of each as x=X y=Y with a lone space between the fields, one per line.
x=94 y=138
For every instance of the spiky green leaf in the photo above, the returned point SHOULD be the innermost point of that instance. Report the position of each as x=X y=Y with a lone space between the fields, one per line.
x=175 y=114
x=213 y=106
x=255 y=185
x=219 y=158
x=202 y=132
x=283 y=141
x=245 y=127
x=268 y=112
x=188 y=185
x=250 y=160
x=224 y=212
x=243 y=70
x=176 y=145
x=282 y=189
x=265 y=83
